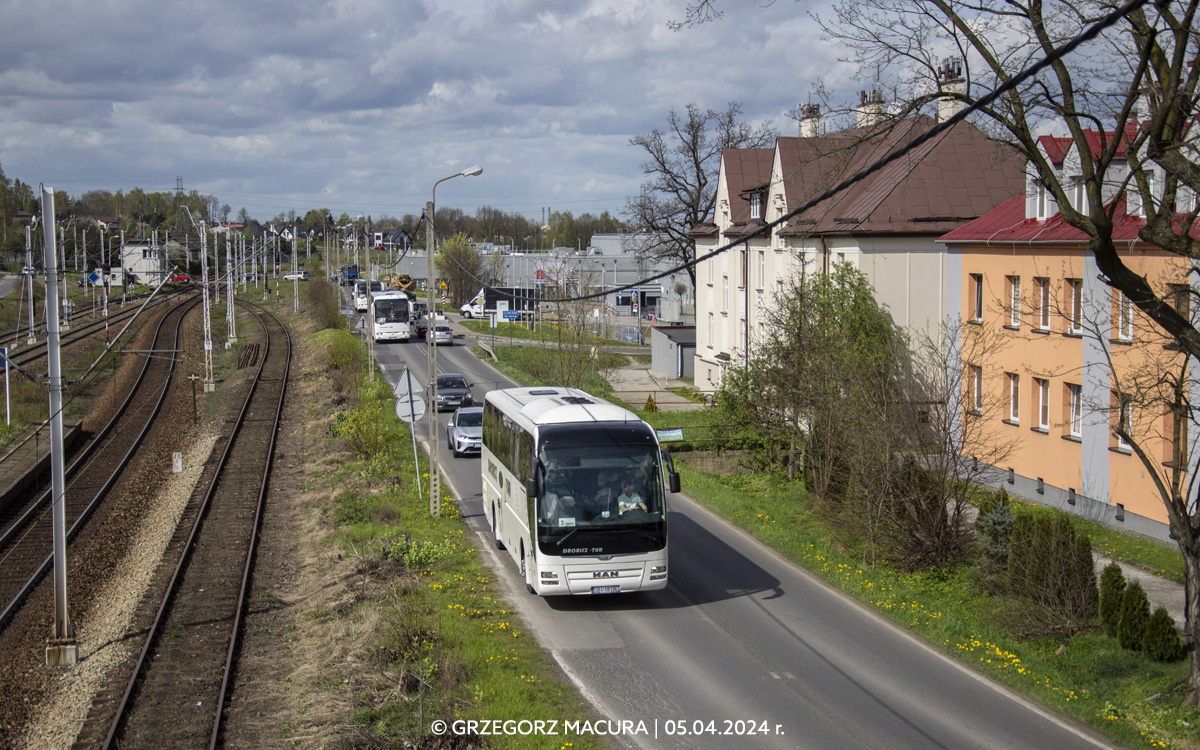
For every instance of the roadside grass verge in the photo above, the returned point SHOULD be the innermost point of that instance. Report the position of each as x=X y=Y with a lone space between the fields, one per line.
x=445 y=645
x=1121 y=693
x=543 y=330
x=1129 y=698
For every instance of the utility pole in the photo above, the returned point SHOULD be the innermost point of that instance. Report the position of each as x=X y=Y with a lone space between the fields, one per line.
x=230 y=315
x=61 y=649
x=31 y=336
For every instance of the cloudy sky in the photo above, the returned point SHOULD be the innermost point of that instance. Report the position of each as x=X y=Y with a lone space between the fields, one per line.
x=361 y=105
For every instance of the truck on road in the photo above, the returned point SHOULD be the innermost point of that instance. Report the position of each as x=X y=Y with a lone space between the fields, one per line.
x=515 y=298
x=349 y=275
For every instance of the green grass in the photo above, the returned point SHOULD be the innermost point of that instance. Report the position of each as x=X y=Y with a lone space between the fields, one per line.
x=1132 y=700
x=449 y=646
x=1093 y=680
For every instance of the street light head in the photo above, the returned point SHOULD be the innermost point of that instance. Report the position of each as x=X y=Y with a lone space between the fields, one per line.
x=472 y=171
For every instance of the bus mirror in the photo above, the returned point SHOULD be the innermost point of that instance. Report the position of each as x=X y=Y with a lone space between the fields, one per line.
x=672 y=475
x=531 y=486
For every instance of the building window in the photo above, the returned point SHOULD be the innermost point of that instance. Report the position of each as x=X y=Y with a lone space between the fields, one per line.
x=1074 y=306
x=975 y=290
x=1043 y=202
x=762 y=269
x=1075 y=409
x=744 y=271
x=1041 y=390
x=1014 y=300
x=1181 y=299
x=1124 y=419
x=1042 y=289
x=1124 y=317
x=1079 y=194
x=1014 y=397
x=975 y=389
x=711 y=341
x=755 y=205
x=724 y=294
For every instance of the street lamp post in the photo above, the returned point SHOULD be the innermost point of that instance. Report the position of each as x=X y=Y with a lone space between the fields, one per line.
x=435 y=485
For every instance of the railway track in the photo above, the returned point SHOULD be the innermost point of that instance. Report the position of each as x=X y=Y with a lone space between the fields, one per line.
x=176 y=691
x=25 y=551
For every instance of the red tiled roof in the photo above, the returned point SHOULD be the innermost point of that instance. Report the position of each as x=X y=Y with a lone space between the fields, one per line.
x=1007 y=223
x=955 y=177
x=1057 y=147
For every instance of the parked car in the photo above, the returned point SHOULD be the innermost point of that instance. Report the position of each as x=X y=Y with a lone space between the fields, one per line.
x=464 y=431
x=296 y=275
x=440 y=334
x=182 y=278
x=630 y=335
x=453 y=391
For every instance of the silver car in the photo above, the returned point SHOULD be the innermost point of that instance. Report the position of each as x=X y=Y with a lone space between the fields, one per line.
x=439 y=334
x=464 y=431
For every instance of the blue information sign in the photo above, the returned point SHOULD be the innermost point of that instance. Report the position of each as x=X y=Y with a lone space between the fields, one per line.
x=512 y=314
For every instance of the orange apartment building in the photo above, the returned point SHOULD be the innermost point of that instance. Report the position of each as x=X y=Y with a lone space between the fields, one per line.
x=1022 y=273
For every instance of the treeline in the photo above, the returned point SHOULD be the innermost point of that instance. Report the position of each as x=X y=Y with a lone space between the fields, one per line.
x=488 y=224
x=142 y=212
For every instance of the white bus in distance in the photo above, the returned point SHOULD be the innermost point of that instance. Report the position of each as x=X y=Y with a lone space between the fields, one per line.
x=573 y=488
x=390 y=316
x=362 y=293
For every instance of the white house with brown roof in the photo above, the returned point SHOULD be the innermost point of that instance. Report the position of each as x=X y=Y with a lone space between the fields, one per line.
x=886 y=225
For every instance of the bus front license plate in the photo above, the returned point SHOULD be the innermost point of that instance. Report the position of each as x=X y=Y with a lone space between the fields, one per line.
x=606 y=589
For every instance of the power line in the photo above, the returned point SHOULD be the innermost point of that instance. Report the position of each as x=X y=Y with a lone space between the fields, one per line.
x=1055 y=55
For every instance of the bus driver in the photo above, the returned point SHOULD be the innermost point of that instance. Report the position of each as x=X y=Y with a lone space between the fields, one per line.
x=628 y=499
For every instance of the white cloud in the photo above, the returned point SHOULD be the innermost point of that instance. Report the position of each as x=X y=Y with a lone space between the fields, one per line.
x=367 y=102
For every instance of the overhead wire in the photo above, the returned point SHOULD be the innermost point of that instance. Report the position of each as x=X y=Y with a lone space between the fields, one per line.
x=1053 y=56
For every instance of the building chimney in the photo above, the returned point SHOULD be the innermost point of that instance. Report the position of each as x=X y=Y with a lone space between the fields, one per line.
x=870 y=108
x=952 y=85
x=810 y=120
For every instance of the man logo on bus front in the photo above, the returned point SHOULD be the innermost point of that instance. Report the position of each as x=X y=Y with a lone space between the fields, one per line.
x=606 y=574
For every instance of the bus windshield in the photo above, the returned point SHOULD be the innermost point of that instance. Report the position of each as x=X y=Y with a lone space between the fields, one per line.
x=594 y=492
x=391 y=311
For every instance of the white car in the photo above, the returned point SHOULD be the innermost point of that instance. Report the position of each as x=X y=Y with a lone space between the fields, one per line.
x=296 y=275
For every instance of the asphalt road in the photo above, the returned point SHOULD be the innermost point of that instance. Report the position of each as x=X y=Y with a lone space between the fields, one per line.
x=742 y=641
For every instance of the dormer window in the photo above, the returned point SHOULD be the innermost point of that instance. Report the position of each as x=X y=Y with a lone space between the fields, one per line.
x=756 y=205
x=1078 y=194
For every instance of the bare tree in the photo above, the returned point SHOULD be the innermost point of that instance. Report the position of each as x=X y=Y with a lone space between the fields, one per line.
x=1127 y=100
x=683 y=164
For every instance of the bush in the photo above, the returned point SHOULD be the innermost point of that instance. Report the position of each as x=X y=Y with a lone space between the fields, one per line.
x=1112 y=588
x=1160 y=642
x=323 y=303
x=994 y=529
x=1135 y=613
x=1049 y=565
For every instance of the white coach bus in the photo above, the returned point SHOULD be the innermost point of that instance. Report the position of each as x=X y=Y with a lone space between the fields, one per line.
x=391 y=316
x=573 y=488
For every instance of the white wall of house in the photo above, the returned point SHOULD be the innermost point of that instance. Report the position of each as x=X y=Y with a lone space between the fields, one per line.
x=143 y=260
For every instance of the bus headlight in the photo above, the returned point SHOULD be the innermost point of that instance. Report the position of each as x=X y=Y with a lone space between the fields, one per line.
x=549 y=578
x=658 y=572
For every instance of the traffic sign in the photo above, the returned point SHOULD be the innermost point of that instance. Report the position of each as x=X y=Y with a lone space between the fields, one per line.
x=405 y=388
x=93 y=277
x=410 y=411
x=512 y=314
